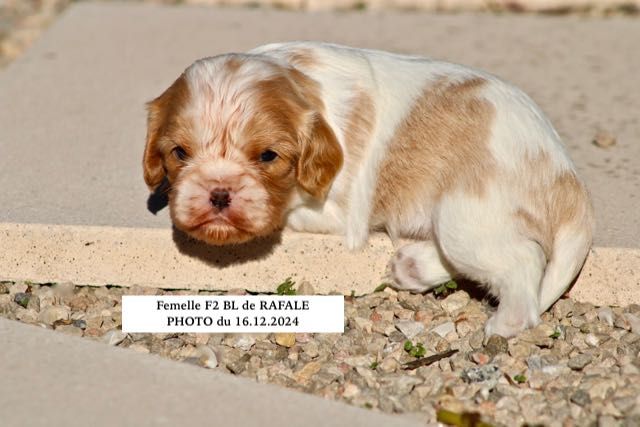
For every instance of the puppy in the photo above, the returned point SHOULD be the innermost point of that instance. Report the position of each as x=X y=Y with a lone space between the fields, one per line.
x=330 y=139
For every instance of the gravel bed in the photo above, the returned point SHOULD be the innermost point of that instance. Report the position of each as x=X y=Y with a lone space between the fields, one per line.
x=400 y=353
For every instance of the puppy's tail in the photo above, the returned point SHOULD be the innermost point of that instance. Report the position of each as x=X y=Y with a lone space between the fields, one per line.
x=574 y=224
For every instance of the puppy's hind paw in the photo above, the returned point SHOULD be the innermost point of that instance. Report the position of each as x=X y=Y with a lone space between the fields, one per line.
x=507 y=326
x=418 y=267
x=404 y=273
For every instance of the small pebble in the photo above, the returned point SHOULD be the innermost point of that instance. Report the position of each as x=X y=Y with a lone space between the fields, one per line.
x=578 y=362
x=480 y=358
x=634 y=322
x=207 y=357
x=605 y=314
x=285 y=339
x=444 y=329
x=304 y=375
x=409 y=328
x=604 y=139
x=22 y=299
x=581 y=398
x=496 y=344
x=591 y=340
x=488 y=373
x=80 y=323
x=240 y=341
x=53 y=313
x=455 y=301
x=114 y=337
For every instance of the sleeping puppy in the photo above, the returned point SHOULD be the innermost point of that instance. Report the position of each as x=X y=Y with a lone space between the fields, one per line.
x=330 y=139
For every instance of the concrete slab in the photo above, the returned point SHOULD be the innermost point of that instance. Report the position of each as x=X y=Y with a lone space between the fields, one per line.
x=51 y=379
x=157 y=258
x=72 y=120
x=72 y=109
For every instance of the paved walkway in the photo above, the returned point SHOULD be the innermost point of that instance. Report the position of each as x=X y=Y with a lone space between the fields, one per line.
x=51 y=379
x=73 y=120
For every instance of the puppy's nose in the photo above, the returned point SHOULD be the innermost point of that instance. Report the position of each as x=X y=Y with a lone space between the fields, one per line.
x=220 y=198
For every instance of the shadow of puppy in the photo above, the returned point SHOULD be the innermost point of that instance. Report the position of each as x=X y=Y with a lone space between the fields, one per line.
x=228 y=255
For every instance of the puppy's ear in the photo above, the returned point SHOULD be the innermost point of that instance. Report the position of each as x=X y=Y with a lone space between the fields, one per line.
x=159 y=112
x=320 y=158
x=152 y=164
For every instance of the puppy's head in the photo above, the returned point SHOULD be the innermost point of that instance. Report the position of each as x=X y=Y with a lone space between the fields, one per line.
x=236 y=136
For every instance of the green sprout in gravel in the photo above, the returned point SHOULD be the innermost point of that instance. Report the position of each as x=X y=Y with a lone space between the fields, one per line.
x=286 y=287
x=416 y=350
x=445 y=289
x=381 y=287
x=555 y=335
x=520 y=379
x=374 y=365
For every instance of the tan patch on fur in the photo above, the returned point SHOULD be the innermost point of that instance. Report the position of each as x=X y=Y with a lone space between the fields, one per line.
x=358 y=128
x=302 y=58
x=551 y=202
x=273 y=126
x=295 y=101
x=307 y=89
x=441 y=145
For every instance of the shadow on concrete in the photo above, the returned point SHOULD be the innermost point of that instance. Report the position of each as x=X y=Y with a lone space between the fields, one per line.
x=225 y=256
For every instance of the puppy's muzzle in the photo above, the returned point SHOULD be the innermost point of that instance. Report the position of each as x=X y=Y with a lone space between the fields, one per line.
x=220 y=198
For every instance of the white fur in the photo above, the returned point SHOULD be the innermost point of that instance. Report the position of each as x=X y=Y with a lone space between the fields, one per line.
x=473 y=236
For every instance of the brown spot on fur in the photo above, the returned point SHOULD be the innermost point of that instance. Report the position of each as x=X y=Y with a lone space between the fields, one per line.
x=441 y=145
x=233 y=64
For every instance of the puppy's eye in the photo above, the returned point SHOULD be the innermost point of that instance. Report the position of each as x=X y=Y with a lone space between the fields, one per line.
x=180 y=153
x=268 y=156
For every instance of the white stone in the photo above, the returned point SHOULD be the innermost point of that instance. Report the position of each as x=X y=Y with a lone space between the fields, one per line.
x=208 y=357
x=114 y=337
x=444 y=329
x=634 y=321
x=52 y=313
x=455 y=301
x=409 y=328
x=605 y=314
